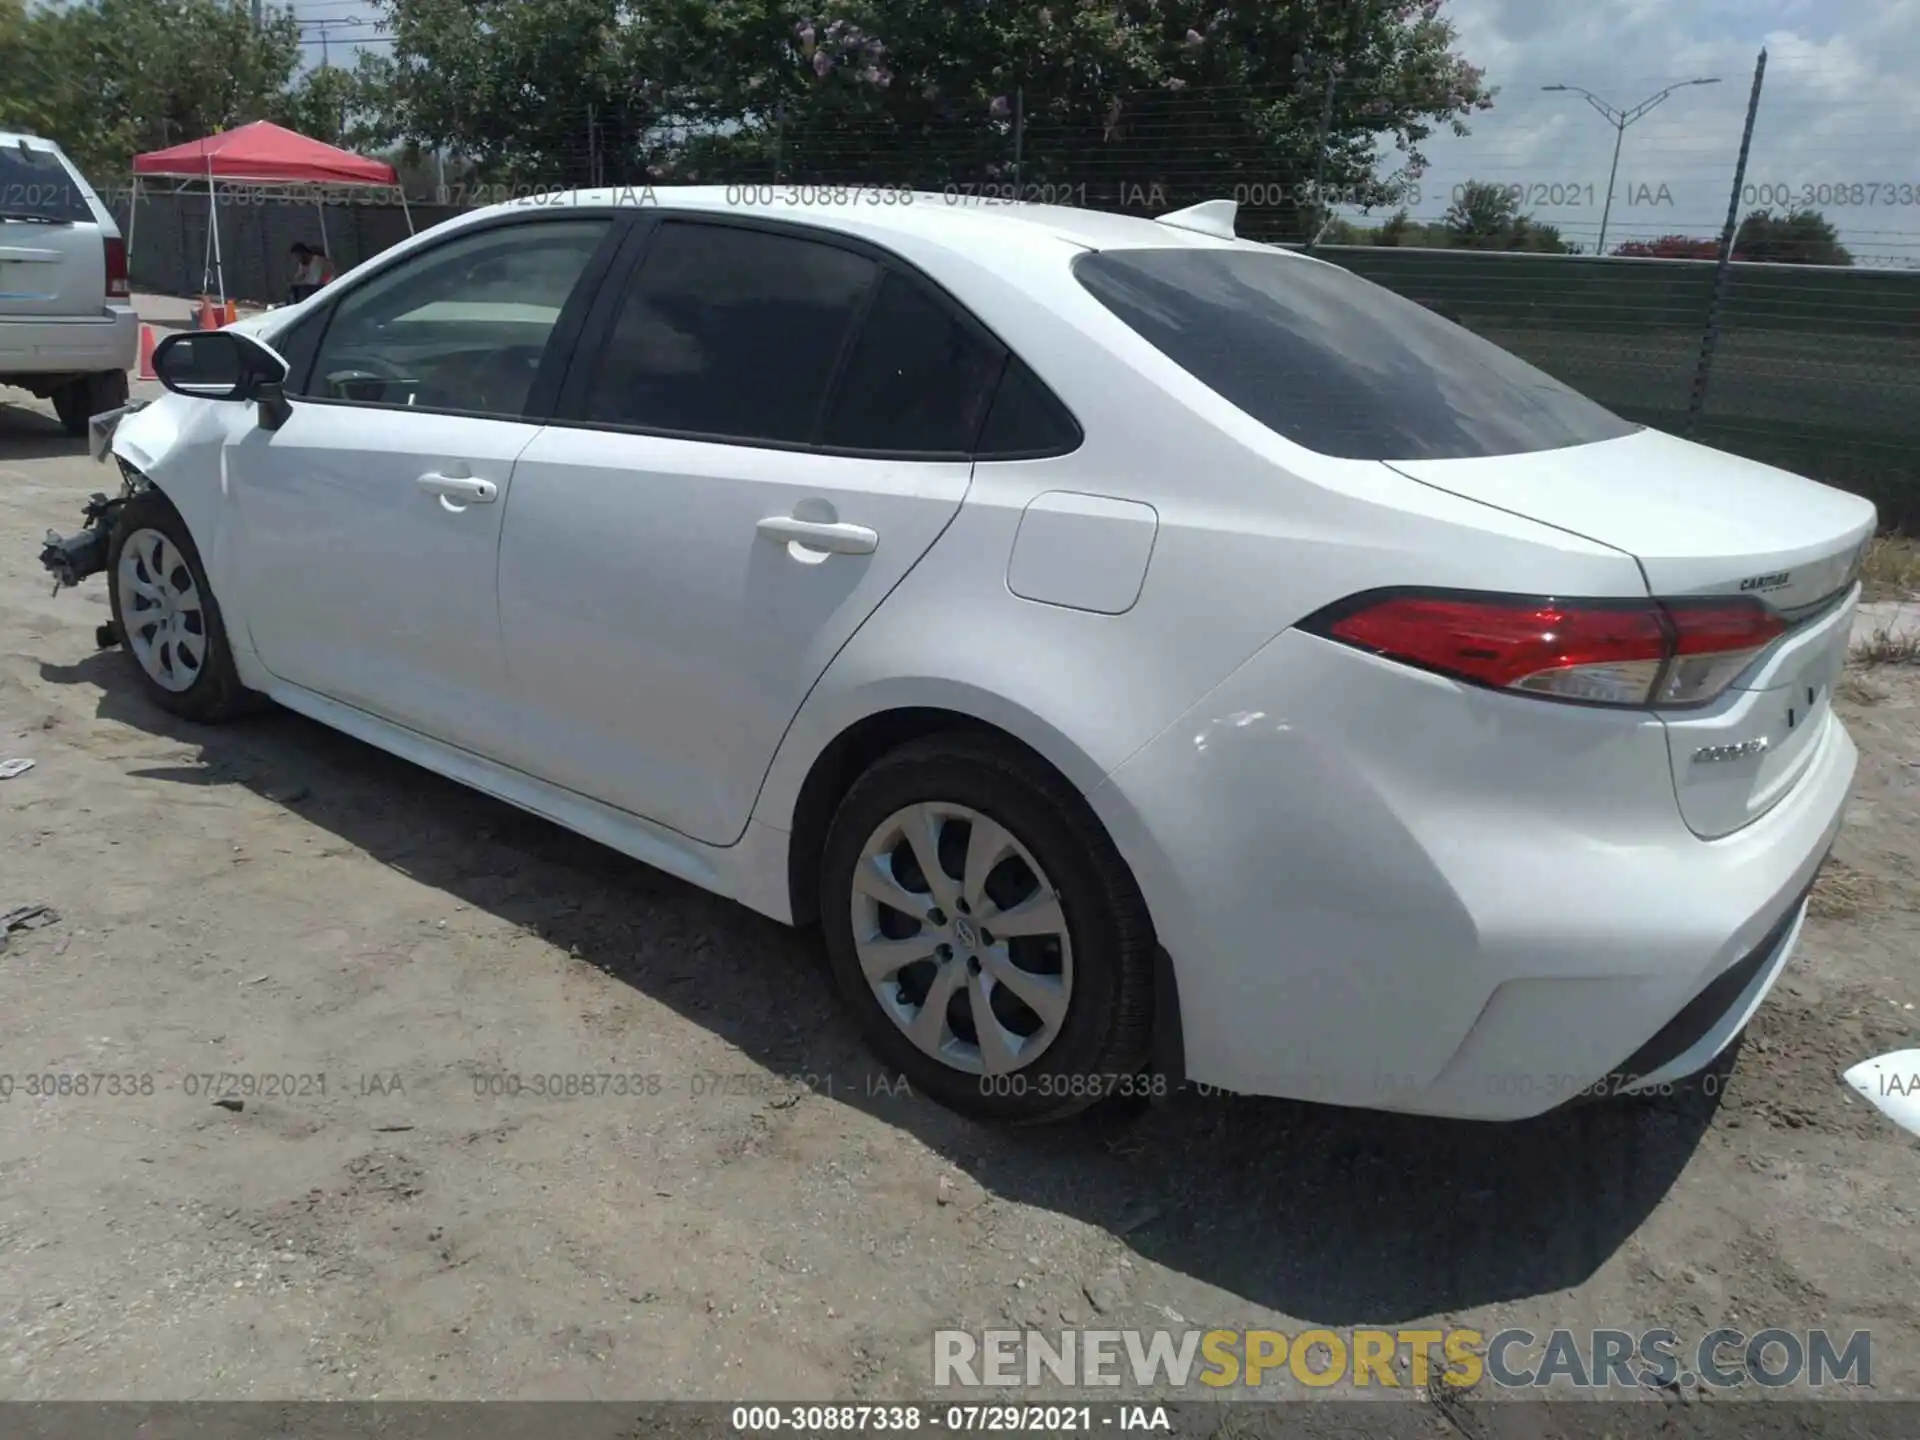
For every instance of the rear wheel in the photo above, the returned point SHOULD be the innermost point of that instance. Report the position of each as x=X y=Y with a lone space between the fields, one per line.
x=169 y=622
x=989 y=937
x=79 y=400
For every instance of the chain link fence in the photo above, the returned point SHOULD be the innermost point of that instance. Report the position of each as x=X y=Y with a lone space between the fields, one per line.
x=1515 y=230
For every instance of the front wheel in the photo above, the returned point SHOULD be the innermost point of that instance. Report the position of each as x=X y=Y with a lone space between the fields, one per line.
x=986 y=932
x=169 y=622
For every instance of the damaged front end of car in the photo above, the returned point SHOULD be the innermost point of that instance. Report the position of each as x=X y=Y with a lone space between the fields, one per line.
x=73 y=558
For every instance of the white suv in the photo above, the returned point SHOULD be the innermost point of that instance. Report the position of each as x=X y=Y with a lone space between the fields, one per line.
x=67 y=324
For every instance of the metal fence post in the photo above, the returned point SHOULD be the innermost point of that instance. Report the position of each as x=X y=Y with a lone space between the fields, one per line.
x=1710 y=339
x=1019 y=135
x=1322 y=213
x=269 y=292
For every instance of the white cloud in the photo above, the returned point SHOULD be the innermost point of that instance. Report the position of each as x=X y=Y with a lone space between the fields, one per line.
x=1838 y=113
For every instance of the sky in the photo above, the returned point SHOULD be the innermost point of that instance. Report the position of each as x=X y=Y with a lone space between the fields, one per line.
x=1837 y=124
x=1838 y=116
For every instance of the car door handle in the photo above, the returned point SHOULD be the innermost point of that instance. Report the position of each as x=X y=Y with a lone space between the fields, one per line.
x=833 y=536
x=456 y=491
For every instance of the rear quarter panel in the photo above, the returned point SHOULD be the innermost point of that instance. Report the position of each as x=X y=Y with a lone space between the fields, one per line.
x=1254 y=534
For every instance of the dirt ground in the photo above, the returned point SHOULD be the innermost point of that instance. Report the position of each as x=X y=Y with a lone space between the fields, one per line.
x=274 y=899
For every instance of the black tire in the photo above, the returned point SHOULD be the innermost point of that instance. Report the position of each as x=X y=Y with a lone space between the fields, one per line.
x=216 y=693
x=106 y=391
x=78 y=401
x=70 y=404
x=1102 y=1044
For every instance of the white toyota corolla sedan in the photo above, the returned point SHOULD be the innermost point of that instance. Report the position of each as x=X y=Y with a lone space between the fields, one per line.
x=1145 y=653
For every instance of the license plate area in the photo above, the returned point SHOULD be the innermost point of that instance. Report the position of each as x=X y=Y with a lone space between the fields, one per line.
x=1736 y=760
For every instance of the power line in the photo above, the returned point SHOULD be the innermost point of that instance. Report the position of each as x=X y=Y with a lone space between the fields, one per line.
x=326 y=26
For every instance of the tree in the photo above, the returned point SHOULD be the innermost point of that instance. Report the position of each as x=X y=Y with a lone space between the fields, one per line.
x=23 y=94
x=1482 y=216
x=1486 y=216
x=1397 y=231
x=110 y=78
x=1142 y=93
x=1670 y=247
x=531 y=90
x=1800 y=237
x=327 y=103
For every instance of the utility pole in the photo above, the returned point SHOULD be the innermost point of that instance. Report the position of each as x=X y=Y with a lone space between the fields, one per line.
x=1620 y=119
x=325 y=26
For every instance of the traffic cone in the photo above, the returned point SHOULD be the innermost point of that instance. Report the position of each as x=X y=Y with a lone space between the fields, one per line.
x=233 y=311
x=147 y=343
x=209 y=318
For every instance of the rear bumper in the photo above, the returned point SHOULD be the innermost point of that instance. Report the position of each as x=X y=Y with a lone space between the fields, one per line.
x=1707 y=1023
x=81 y=345
x=1383 y=889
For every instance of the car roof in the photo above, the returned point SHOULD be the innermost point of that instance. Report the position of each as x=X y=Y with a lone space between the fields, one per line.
x=960 y=221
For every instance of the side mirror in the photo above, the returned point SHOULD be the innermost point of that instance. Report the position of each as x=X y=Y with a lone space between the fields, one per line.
x=217 y=365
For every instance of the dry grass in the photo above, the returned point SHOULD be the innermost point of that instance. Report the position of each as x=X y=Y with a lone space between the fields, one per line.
x=1887 y=647
x=1892 y=568
x=1856 y=688
x=1842 y=892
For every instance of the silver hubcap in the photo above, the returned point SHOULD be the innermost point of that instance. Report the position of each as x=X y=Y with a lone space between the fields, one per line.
x=960 y=934
x=161 y=610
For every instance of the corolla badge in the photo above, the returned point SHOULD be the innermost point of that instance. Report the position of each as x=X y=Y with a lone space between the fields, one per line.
x=1708 y=754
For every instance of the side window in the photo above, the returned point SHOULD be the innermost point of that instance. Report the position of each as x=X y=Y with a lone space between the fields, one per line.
x=1027 y=419
x=918 y=379
x=297 y=346
x=728 y=332
x=460 y=327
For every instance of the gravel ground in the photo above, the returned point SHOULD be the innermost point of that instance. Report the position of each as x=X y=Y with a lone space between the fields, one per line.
x=770 y=1218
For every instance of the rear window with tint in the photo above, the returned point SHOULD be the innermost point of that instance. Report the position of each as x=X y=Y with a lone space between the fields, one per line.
x=1338 y=364
x=33 y=183
x=917 y=382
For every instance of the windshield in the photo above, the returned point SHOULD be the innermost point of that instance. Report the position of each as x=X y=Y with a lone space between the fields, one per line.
x=1338 y=364
x=35 y=184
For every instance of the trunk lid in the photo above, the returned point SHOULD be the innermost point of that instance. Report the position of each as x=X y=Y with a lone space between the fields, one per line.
x=1701 y=522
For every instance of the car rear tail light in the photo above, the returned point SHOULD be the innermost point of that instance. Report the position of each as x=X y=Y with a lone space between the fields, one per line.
x=1713 y=642
x=117 y=285
x=1641 y=653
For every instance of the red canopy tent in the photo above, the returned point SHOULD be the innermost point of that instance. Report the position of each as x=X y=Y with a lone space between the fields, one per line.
x=259 y=154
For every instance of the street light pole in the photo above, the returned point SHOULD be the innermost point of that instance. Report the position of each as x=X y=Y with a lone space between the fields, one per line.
x=1606 y=210
x=1620 y=119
